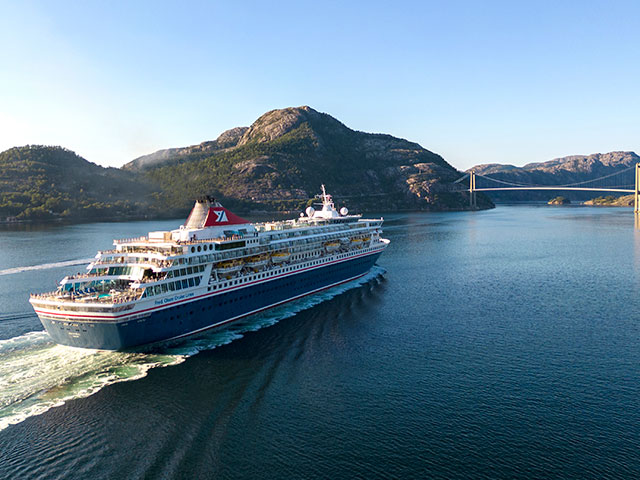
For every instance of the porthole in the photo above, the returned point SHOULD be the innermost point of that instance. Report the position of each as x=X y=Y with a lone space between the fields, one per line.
x=199 y=248
x=193 y=249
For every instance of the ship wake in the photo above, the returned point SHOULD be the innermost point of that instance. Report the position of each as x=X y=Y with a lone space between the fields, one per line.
x=37 y=374
x=46 y=266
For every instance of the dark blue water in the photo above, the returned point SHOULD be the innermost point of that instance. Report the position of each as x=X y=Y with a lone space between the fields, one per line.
x=499 y=344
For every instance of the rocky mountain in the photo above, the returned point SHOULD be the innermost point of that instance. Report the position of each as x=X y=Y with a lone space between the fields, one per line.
x=280 y=161
x=559 y=171
x=277 y=163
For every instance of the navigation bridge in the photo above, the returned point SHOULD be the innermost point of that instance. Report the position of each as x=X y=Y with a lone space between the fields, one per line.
x=623 y=181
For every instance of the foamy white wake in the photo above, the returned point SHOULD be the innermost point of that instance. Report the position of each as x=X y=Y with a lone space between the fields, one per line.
x=46 y=266
x=37 y=374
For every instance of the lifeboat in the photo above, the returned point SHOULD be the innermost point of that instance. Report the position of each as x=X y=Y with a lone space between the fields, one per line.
x=332 y=246
x=257 y=261
x=356 y=242
x=280 y=256
x=229 y=267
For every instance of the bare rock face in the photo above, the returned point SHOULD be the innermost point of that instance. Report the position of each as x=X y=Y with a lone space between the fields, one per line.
x=230 y=138
x=255 y=167
x=274 y=124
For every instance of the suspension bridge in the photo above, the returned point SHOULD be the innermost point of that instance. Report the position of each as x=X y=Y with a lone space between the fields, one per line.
x=623 y=181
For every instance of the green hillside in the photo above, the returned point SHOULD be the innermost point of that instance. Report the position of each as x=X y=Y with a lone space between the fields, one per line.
x=46 y=183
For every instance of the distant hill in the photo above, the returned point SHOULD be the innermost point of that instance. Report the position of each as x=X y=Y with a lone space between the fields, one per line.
x=559 y=171
x=44 y=183
x=281 y=160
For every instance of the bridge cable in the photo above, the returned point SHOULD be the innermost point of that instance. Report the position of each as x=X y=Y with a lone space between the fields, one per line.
x=548 y=185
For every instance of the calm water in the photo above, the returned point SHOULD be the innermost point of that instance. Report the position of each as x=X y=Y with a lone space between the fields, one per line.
x=499 y=344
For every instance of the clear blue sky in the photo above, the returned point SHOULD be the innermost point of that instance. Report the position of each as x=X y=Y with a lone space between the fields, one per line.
x=477 y=82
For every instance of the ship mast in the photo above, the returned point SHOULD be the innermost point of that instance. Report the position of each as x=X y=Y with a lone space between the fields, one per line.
x=326 y=198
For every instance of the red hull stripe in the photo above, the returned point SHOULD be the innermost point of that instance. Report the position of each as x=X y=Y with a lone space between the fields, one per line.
x=209 y=294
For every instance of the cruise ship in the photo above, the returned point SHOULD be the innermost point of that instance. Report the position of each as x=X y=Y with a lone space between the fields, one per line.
x=213 y=270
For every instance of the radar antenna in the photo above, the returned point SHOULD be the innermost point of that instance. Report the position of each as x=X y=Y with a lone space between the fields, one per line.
x=327 y=201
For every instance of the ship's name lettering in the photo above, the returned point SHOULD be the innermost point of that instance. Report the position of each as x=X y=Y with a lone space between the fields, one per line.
x=162 y=301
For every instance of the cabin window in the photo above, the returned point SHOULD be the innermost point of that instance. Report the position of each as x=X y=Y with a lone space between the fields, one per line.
x=172 y=287
x=191 y=282
x=189 y=270
x=157 y=289
x=183 y=271
x=164 y=288
x=185 y=283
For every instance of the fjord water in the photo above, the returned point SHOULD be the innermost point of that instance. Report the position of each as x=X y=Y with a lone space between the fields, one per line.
x=498 y=344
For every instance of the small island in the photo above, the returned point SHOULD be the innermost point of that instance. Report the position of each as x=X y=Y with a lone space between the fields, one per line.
x=559 y=201
x=612 y=201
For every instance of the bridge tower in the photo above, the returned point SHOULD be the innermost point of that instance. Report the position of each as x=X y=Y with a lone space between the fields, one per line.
x=472 y=189
x=636 y=195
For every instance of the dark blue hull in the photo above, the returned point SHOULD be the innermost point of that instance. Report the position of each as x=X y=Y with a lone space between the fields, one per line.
x=208 y=312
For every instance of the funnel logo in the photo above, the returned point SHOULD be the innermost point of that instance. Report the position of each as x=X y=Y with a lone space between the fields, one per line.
x=221 y=216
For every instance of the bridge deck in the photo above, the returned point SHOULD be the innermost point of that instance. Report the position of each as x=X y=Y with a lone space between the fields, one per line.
x=551 y=187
